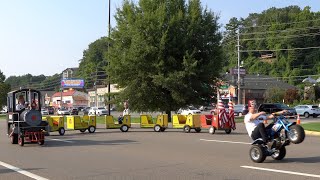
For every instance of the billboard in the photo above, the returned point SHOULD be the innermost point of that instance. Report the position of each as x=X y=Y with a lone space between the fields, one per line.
x=72 y=83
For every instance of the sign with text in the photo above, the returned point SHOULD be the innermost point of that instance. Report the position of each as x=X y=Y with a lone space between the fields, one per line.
x=234 y=71
x=72 y=83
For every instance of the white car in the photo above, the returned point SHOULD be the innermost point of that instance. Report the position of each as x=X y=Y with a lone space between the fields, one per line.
x=189 y=111
x=98 y=111
x=63 y=111
x=3 y=111
x=44 y=112
x=308 y=110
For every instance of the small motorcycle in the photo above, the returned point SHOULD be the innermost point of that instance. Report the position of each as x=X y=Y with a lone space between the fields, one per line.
x=281 y=133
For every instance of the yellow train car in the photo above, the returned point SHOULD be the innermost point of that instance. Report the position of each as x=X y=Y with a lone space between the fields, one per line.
x=124 y=127
x=56 y=123
x=82 y=123
x=160 y=125
x=186 y=122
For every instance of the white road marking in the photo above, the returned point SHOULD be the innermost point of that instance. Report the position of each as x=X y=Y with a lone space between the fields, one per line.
x=67 y=141
x=21 y=171
x=231 y=142
x=282 y=171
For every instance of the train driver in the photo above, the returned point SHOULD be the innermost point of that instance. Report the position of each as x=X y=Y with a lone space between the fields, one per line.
x=21 y=103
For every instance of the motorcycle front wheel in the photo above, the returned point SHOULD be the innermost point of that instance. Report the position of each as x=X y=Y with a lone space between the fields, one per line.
x=296 y=134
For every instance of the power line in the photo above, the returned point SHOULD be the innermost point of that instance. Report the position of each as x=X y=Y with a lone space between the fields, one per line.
x=268 y=25
x=289 y=49
x=277 y=37
x=285 y=30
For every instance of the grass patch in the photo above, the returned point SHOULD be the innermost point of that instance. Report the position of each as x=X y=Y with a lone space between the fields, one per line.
x=314 y=126
x=3 y=116
x=239 y=119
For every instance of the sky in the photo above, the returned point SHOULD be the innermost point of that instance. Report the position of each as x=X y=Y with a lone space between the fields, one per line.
x=48 y=36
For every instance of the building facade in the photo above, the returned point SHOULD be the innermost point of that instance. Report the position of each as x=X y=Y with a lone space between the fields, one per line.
x=97 y=97
x=70 y=98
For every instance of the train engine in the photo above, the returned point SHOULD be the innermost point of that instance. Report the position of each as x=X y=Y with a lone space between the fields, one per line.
x=24 y=119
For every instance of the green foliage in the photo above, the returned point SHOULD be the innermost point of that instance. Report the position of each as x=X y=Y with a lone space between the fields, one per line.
x=40 y=82
x=92 y=67
x=276 y=28
x=4 y=89
x=165 y=54
x=274 y=94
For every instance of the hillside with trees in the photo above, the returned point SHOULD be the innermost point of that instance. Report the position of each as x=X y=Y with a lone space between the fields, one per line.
x=281 y=42
x=41 y=82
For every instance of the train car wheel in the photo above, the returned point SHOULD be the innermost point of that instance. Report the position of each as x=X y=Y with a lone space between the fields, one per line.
x=41 y=142
x=21 y=141
x=62 y=131
x=14 y=139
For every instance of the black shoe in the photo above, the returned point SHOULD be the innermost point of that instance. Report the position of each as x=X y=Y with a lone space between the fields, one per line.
x=272 y=144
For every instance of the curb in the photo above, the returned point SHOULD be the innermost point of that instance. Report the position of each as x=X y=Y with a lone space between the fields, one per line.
x=314 y=133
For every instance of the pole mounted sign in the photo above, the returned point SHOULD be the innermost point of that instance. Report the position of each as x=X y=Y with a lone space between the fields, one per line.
x=234 y=71
x=72 y=83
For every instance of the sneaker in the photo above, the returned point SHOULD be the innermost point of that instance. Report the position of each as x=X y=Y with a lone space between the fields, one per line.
x=272 y=144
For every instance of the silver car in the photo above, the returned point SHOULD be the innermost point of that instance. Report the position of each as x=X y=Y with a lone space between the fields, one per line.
x=308 y=110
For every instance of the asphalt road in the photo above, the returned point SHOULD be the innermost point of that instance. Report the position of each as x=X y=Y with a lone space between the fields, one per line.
x=144 y=154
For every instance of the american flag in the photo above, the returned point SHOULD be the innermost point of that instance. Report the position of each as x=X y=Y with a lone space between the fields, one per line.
x=222 y=114
x=231 y=116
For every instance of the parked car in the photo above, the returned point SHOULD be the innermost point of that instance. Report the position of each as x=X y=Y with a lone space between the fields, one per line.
x=3 y=111
x=98 y=111
x=189 y=111
x=308 y=110
x=44 y=112
x=207 y=107
x=86 y=110
x=275 y=107
x=63 y=111
x=238 y=109
x=74 y=111
x=215 y=110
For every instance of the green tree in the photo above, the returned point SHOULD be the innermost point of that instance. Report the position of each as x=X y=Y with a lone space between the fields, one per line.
x=274 y=94
x=4 y=89
x=93 y=64
x=165 y=54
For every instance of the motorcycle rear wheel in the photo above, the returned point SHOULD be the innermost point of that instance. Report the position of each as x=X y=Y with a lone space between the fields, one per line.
x=257 y=154
x=279 y=154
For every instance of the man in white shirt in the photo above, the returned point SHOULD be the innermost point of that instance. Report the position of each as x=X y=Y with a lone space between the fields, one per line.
x=254 y=122
x=21 y=103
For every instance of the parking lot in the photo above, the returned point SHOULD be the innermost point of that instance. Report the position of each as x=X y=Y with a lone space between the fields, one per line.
x=144 y=154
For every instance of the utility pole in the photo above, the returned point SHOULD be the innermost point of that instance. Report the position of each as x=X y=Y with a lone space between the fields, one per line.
x=61 y=88
x=109 y=105
x=238 y=45
x=96 y=99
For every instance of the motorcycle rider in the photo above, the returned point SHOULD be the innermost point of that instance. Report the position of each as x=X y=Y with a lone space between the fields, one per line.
x=254 y=122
